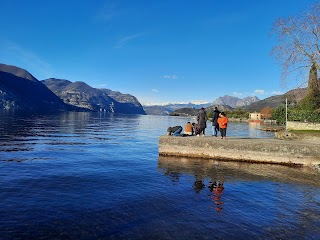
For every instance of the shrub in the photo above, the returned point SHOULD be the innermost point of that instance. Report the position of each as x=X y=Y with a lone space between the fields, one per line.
x=295 y=114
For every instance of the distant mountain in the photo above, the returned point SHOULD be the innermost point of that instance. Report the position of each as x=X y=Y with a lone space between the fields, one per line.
x=294 y=96
x=166 y=109
x=82 y=95
x=221 y=108
x=194 y=111
x=175 y=106
x=246 y=101
x=185 y=112
x=156 y=110
x=128 y=103
x=234 y=102
x=20 y=90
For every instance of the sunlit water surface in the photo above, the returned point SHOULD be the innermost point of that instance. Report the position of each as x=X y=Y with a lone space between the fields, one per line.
x=99 y=176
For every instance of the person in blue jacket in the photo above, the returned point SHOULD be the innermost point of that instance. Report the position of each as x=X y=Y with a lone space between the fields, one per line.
x=175 y=131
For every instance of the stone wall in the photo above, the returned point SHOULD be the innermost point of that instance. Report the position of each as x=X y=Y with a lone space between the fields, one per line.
x=303 y=126
x=242 y=149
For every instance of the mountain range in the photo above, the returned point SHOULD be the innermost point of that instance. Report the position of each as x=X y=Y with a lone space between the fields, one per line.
x=235 y=102
x=229 y=103
x=225 y=103
x=82 y=95
x=20 y=90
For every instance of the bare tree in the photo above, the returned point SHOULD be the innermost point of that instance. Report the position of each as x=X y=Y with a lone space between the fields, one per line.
x=298 y=43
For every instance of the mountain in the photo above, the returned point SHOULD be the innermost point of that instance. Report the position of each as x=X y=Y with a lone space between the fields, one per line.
x=185 y=112
x=156 y=110
x=82 y=95
x=194 y=111
x=128 y=103
x=234 y=102
x=20 y=90
x=246 y=101
x=175 y=106
x=166 y=109
x=293 y=96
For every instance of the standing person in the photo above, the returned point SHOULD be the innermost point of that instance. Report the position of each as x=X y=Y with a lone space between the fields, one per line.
x=223 y=123
x=202 y=121
x=188 y=129
x=215 y=125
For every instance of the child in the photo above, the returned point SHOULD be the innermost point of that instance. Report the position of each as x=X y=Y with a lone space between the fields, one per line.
x=223 y=123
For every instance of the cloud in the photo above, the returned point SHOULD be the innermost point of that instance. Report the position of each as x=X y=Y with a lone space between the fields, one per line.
x=259 y=91
x=170 y=76
x=124 y=40
x=31 y=60
x=102 y=85
x=154 y=90
x=237 y=94
x=277 y=93
x=108 y=11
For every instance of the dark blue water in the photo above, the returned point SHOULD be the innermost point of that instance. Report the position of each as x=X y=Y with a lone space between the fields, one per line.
x=99 y=176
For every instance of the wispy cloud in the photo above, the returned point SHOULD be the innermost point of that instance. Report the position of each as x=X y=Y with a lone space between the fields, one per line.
x=124 y=40
x=259 y=91
x=154 y=90
x=170 y=76
x=30 y=59
x=263 y=92
x=255 y=92
x=102 y=85
x=277 y=93
x=237 y=94
x=108 y=11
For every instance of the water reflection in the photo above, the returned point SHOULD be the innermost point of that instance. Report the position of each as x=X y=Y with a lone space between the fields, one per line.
x=216 y=188
x=237 y=171
x=278 y=200
x=198 y=185
x=98 y=176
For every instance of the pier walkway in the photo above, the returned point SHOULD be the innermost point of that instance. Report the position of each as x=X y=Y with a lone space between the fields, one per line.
x=288 y=152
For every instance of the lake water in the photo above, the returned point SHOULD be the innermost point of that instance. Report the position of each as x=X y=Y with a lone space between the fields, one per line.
x=99 y=176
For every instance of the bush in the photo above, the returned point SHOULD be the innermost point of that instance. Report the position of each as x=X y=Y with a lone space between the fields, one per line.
x=295 y=114
x=238 y=113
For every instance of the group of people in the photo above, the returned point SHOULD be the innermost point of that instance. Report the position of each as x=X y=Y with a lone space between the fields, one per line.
x=189 y=130
x=219 y=123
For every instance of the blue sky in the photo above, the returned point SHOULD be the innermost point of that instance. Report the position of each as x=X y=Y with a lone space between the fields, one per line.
x=158 y=51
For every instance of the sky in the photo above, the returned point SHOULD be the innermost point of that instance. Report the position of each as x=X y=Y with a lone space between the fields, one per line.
x=158 y=51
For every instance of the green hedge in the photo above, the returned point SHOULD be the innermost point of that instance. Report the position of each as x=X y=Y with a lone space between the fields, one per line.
x=237 y=113
x=295 y=114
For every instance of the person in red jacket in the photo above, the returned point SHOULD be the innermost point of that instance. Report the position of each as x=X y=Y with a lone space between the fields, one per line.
x=223 y=123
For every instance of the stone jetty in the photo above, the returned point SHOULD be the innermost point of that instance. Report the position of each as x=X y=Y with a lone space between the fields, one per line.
x=277 y=151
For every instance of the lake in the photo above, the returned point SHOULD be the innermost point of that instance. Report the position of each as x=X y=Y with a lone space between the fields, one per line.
x=99 y=176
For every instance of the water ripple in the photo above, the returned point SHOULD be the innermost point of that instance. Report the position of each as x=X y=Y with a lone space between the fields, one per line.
x=99 y=176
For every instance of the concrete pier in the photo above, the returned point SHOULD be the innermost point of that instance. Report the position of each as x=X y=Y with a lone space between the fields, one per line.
x=243 y=149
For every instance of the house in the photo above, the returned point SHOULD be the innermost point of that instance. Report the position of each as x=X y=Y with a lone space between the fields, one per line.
x=255 y=116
